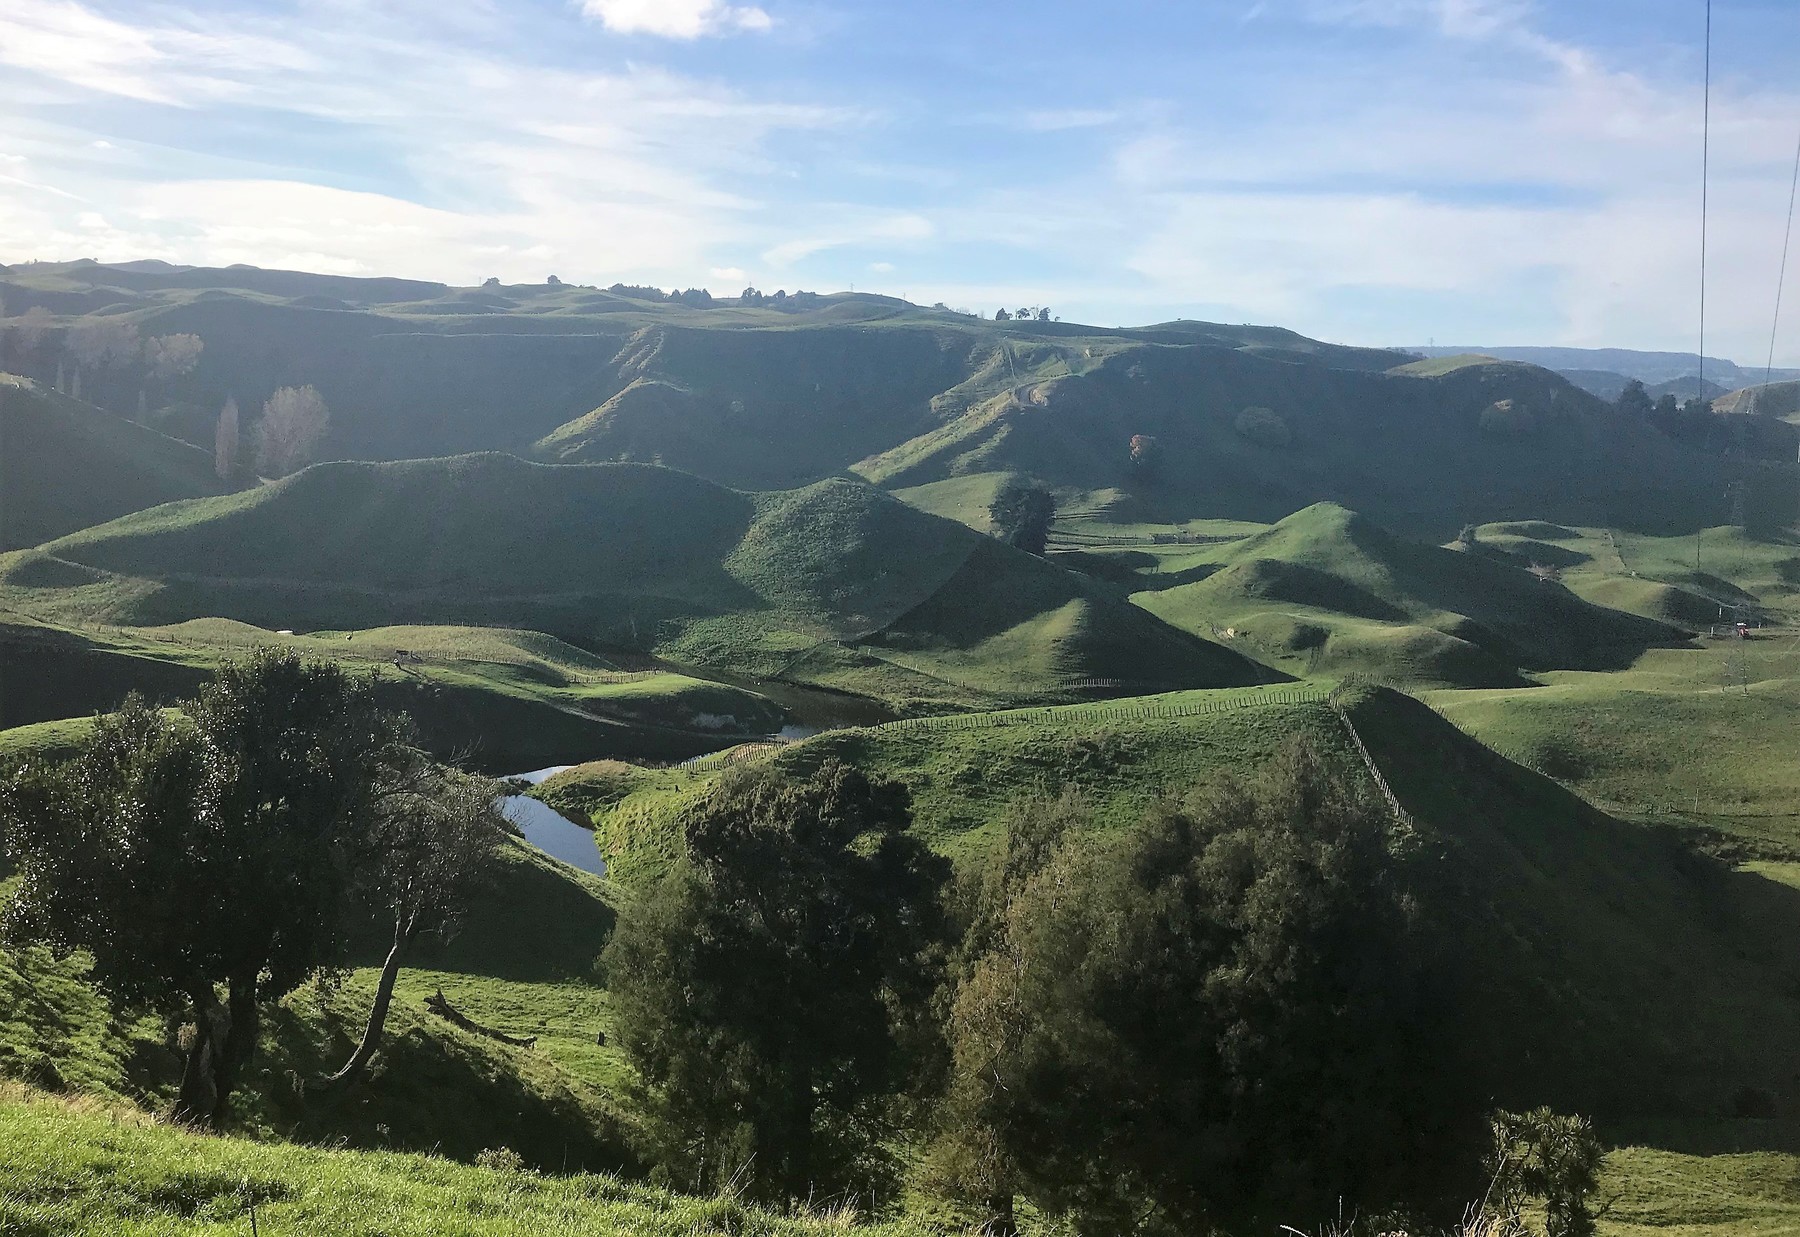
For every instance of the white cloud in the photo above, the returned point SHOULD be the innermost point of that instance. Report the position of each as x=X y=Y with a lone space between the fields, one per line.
x=731 y=274
x=677 y=19
x=882 y=268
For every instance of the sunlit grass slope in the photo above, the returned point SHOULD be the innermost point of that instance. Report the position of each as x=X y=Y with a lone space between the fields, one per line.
x=83 y=1169
x=504 y=700
x=65 y=465
x=1326 y=590
x=809 y=584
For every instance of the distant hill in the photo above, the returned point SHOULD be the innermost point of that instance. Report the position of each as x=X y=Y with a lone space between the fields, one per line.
x=65 y=465
x=1327 y=591
x=1650 y=368
x=1780 y=400
x=836 y=584
x=774 y=393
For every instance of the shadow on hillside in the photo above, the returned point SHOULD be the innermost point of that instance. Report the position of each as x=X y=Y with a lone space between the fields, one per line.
x=1621 y=972
x=432 y=1088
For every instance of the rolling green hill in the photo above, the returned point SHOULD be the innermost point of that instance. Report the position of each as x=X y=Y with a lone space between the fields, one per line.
x=835 y=584
x=1326 y=590
x=502 y=700
x=782 y=394
x=1620 y=973
x=65 y=465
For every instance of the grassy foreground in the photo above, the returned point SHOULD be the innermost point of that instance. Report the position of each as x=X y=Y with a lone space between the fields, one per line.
x=86 y=1168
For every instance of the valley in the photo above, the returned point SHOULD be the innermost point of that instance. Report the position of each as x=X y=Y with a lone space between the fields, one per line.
x=660 y=554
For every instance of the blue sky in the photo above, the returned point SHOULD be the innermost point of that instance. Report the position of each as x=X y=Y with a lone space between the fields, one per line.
x=1374 y=171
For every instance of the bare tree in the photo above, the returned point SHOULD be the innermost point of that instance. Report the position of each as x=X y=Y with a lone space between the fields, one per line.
x=225 y=441
x=29 y=330
x=293 y=421
x=170 y=356
x=434 y=845
x=102 y=343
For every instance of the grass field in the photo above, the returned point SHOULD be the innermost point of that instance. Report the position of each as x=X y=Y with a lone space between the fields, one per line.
x=505 y=700
x=87 y=1169
x=836 y=584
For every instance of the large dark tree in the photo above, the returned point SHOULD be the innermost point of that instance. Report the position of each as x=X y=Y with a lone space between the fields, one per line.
x=1233 y=1018
x=1634 y=400
x=208 y=861
x=1022 y=515
x=773 y=990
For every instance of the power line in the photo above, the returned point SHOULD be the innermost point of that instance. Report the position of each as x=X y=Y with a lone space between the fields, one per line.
x=1705 y=180
x=1781 y=275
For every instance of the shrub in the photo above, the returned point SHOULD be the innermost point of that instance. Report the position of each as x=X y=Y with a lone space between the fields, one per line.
x=1545 y=1157
x=1265 y=428
x=1508 y=419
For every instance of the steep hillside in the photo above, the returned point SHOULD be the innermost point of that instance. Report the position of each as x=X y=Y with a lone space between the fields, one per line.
x=1473 y=438
x=816 y=585
x=1780 y=400
x=1618 y=973
x=1327 y=591
x=65 y=465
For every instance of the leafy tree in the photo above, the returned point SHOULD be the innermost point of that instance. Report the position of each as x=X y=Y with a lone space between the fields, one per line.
x=432 y=847
x=1265 y=427
x=1146 y=454
x=1667 y=410
x=171 y=356
x=1553 y=1159
x=1000 y=315
x=294 y=420
x=208 y=854
x=1022 y=515
x=1634 y=400
x=1043 y=315
x=773 y=990
x=225 y=441
x=1234 y=1016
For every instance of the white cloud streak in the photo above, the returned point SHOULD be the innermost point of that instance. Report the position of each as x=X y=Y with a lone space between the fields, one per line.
x=678 y=19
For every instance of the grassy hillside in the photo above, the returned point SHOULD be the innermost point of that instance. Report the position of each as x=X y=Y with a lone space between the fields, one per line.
x=1325 y=590
x=1620 y=973
x=523 y=962
x=503 y=700
x=1780 y=400
x=1474 y=439
x=835 y=584
x=65 y=465
x=84 y=1169
x=773 y=396
x=1700 y=738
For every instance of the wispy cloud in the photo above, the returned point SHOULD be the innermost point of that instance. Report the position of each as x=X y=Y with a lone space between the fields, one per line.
x=677 y=19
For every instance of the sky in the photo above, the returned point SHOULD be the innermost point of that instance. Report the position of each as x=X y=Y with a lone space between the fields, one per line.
x=1382 y=172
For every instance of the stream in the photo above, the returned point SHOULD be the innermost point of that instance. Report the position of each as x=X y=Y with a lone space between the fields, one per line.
x=549 y=831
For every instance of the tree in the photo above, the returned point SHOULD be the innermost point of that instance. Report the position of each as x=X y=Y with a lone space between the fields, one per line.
x=1555 y=1160
x=28 y=332
x=1043 y=315
x=1000 y=315
x=773 y=990
x=433 y=846
x=1634 y=401
x=225 y=441
x=206 y=856
x=1146 y=454
x=294 y=419
x=102 y=343
x=1236 y=1015
x=1667 y=410
x=171 y=356
x=1023 y=313
x=1265 y=427
x=750 y=296
x=1022 y=515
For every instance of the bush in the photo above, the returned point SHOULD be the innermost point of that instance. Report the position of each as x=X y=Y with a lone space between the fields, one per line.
x=1265 y=428
x=1508 y=419
x=1548 y=1158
